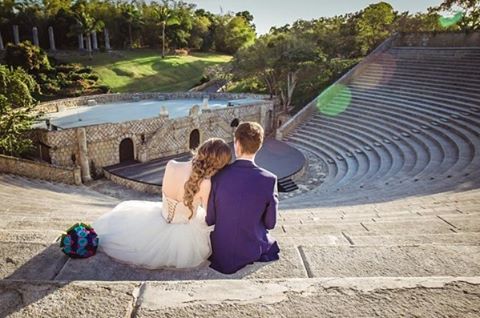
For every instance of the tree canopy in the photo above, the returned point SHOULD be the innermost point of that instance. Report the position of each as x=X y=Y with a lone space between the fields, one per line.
x=320 y=50
x=170 y=23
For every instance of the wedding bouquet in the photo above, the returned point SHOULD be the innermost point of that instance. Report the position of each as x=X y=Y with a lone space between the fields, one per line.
x=79 y=241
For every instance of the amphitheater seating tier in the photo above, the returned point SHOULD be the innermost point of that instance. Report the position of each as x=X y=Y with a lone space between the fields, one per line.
x=412 y=126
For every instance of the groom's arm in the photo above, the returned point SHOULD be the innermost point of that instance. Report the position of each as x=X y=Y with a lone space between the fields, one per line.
x=270 y=217
x=211 y=208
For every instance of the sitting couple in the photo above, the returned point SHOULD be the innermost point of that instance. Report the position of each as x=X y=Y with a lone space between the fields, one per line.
x=211 y=210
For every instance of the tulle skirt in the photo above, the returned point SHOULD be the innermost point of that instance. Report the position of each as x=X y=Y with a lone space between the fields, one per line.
x=136 y=233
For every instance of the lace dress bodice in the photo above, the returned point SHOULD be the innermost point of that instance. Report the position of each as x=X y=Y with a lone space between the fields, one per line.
x=175 y=211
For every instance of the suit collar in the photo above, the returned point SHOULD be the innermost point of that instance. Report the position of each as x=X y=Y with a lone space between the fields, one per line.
x=244 y=163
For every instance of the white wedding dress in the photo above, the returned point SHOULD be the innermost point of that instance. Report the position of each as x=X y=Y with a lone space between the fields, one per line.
x=155 y=234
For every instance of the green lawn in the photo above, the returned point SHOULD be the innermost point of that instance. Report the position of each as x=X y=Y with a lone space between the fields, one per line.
x=146 y=71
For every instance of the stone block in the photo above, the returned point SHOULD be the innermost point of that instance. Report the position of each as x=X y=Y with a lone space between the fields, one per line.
x=445 y=239
x=329 y=297
x=321 y=229
x=423 y=260
x=30 y=261
x=102 y=267
x=464 y=223
x=408 y=227
x=60 y=299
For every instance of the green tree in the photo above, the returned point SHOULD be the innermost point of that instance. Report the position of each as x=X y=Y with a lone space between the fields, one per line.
x=279 y=60
x=16 y=105
x=85 y=22
x=132 y=17
x=469 y=19
x=374 y=24
x=165 y=16
x=232 y=33
x=248 y=17
x=420 y=22
x=200 y=30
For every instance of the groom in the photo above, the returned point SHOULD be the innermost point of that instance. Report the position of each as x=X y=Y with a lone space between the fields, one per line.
x=243 y=206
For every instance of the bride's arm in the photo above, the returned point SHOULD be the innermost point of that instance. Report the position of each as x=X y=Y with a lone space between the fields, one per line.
x=205 y=188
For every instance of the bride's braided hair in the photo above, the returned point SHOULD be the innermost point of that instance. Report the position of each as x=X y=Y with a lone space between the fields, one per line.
x=210 y=157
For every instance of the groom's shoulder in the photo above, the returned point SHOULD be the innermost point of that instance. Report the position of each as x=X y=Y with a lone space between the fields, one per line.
x=265 y=173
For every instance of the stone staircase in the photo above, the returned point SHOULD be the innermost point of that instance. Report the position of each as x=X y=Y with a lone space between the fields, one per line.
x=389 y=259
x=392 y=231
x=412 y=126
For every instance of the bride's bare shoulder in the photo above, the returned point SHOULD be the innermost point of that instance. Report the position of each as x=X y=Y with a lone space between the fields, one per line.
x=177 y=164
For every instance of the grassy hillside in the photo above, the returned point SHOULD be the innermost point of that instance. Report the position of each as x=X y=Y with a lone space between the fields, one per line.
x=145 y=70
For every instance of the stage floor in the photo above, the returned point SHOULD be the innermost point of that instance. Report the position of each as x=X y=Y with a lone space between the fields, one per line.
x=275 y=156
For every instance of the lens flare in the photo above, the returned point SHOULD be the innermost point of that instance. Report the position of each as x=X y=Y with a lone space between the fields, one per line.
x=377 y=73
x=446 y=22
x=334 y=100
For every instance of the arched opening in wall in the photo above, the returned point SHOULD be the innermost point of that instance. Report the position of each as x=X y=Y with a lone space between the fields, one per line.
x=44 y=152
x=269 y=120
x=235 y=123
x=126 y=150
x=194 y=139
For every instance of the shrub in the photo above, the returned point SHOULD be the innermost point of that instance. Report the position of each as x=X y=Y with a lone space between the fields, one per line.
x=104 y=88
x=31 y=58
x=85 y=70
x=74 y=76
x=67 y=68
x=16 y=104
x=93 y=77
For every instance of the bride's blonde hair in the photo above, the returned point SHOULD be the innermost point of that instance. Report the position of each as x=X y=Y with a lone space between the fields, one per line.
x=208 y=159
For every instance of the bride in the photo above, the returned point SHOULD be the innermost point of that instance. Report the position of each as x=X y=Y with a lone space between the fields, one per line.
x=171 y=233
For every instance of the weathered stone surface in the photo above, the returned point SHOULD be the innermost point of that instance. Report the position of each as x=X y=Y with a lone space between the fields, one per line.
x=58 y=224
x=328 y=239
x=464 y=223
x=102 y=267
x=320 y=229
x=36 y=236
x=30 y=261
x=447 y=239
x=364 y=261
x=349 y=297
x=408 y=227
x=59 y=299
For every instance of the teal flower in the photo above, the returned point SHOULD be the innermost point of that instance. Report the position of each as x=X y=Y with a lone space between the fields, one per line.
x=82 y=241
x=67 y=240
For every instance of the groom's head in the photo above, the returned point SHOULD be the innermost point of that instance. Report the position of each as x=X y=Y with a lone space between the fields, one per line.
x=248 y=139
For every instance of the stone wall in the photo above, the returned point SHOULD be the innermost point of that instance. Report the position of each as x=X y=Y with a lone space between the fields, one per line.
x=135 y=185
x=39 y=170
x=438 y=39
x=152 y=138
x=62 y=104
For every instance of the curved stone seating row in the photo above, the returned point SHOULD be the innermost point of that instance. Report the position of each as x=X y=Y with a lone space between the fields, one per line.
x=419 y=237
x=410 y=124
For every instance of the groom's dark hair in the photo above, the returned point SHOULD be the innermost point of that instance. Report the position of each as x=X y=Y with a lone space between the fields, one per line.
x=250 y=136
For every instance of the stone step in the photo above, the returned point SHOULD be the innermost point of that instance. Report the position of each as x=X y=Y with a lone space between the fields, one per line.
x=315 y=297
x=464 y=238
x=433 y=226
x=40 y=261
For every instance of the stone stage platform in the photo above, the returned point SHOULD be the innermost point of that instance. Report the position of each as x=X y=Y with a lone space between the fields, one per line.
x=276 y=156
